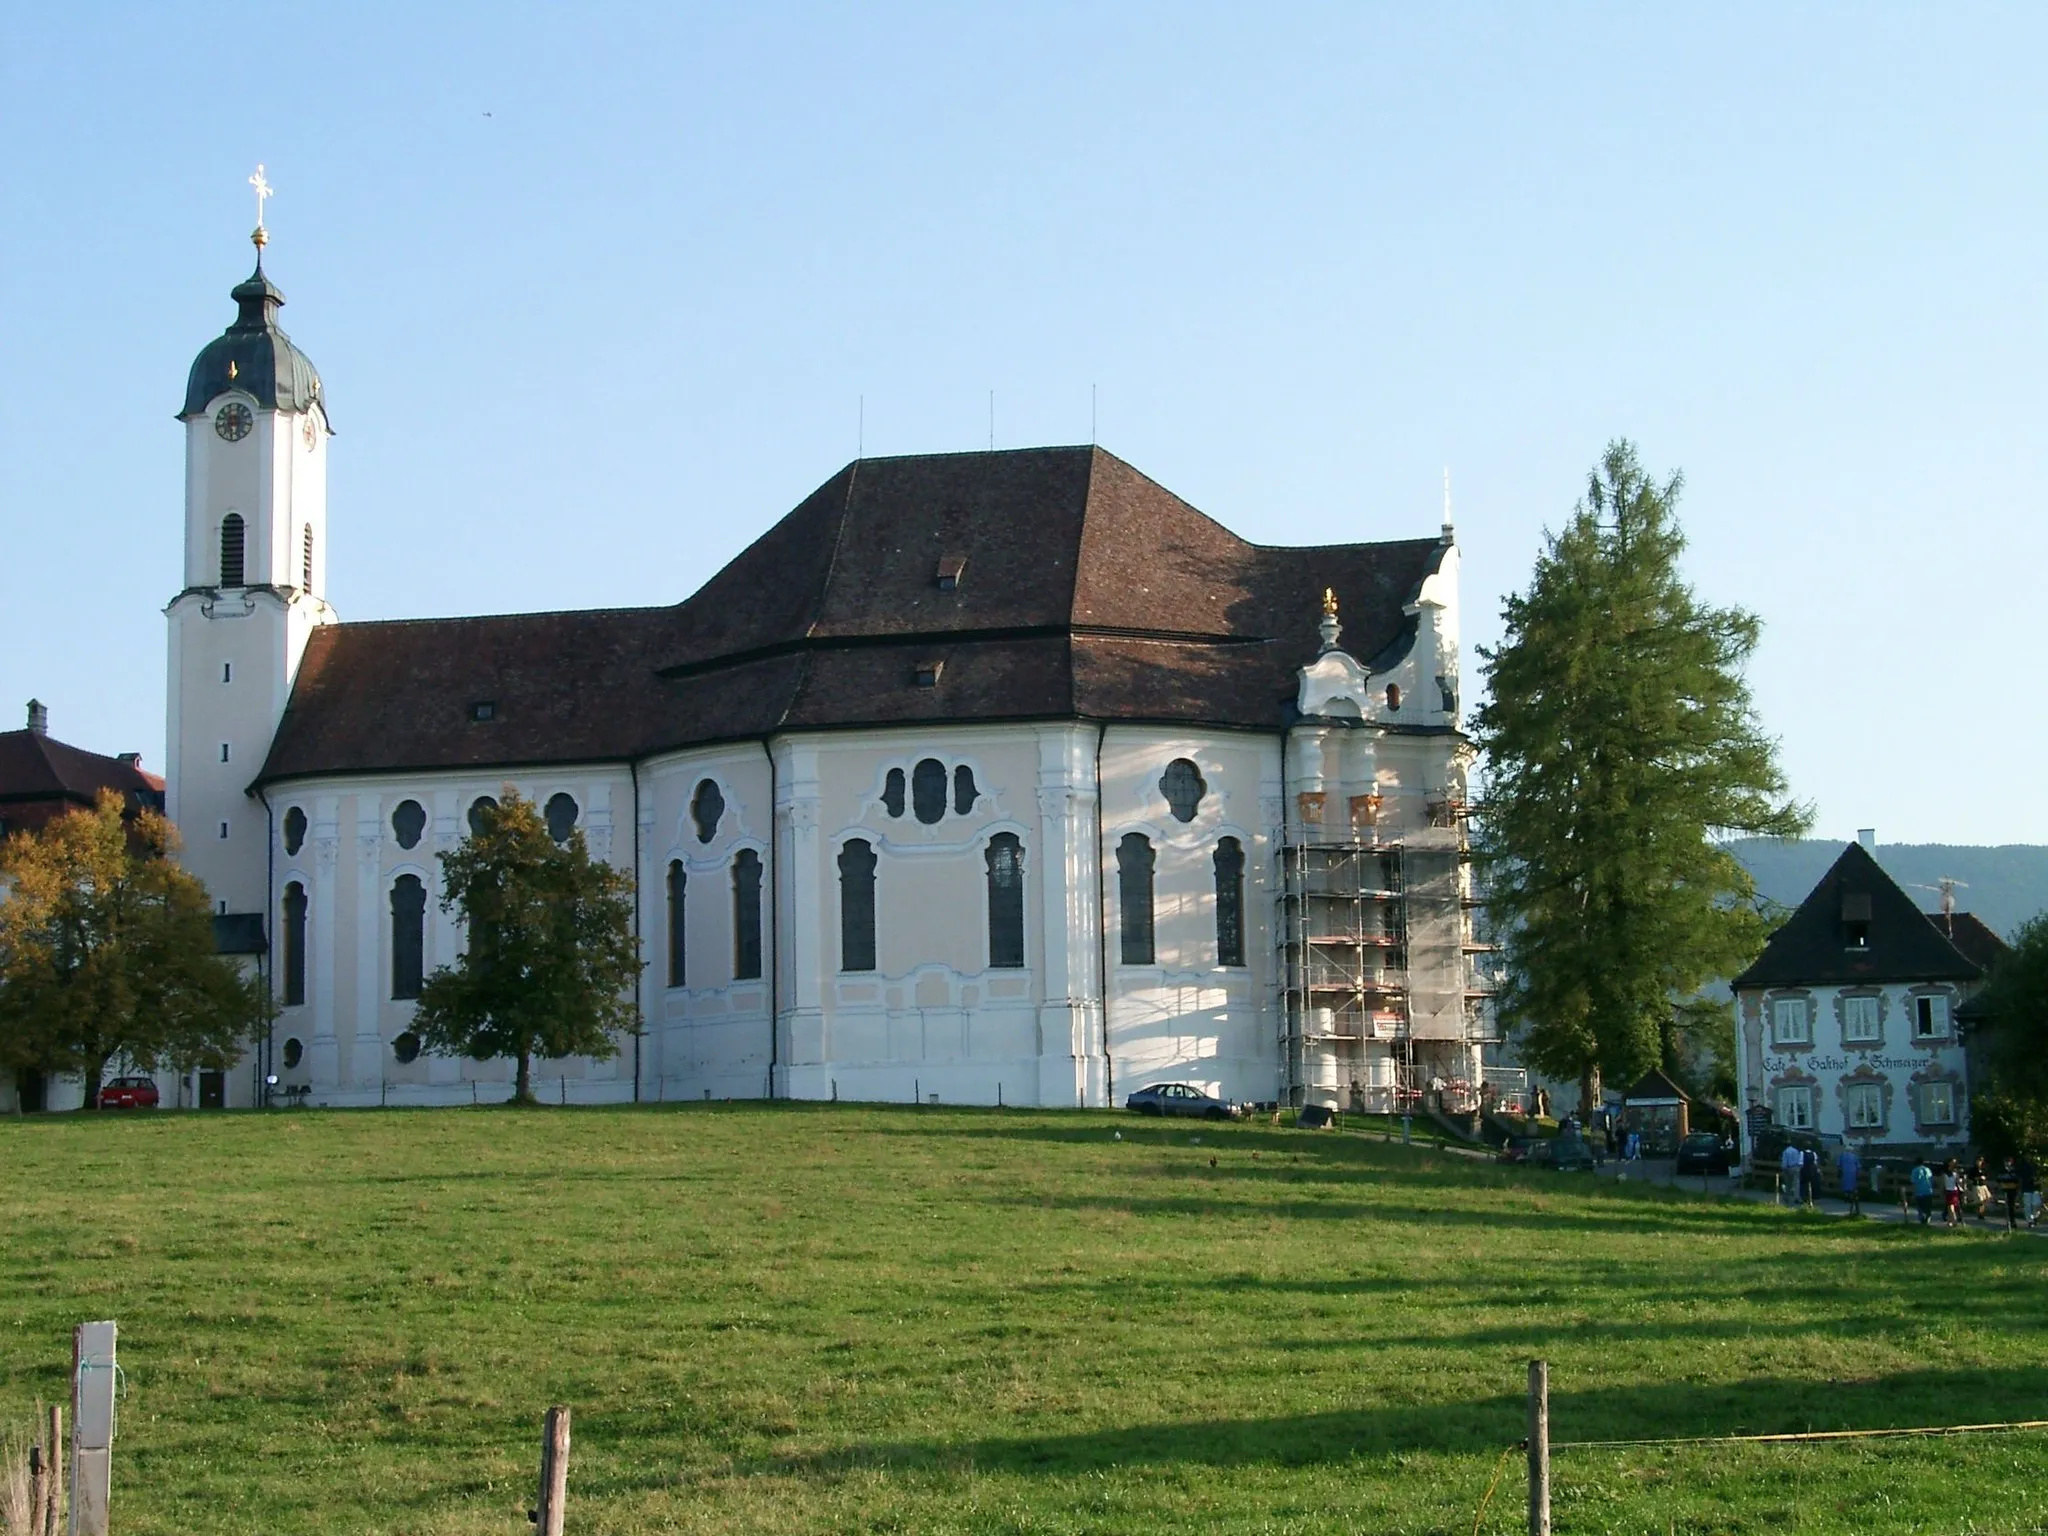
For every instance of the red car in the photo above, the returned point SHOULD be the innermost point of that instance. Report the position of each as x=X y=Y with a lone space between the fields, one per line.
x=129 y=1093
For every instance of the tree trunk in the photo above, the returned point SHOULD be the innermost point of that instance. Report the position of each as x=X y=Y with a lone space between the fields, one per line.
x=523 y=1092
x=1589 y=1093
x=95 y=1076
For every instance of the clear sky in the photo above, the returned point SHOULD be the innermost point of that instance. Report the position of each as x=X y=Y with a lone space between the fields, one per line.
x=597 y=292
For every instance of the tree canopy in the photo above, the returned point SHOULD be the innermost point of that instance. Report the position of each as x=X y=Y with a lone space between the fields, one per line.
x=1620 y=745
x=551 y=959
x=2009 y=1111
x=107 y=953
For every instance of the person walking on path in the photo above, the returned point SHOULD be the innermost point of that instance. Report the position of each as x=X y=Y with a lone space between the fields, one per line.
x=1809 y=1178
x=1951 y=1194
x=2009 y=1192
x=1852 y=1180
x=1791 y=1168
x=1980 y=1189
x=2030 y=1189
x=1922 y=1179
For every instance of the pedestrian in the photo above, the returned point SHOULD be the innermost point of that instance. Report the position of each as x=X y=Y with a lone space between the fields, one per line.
x=1809 y=1181
x=1852 y=1180
x=2030 y=1189
x=1791 y=1166
x=1922 y=1180
x=1951 y=1194
x=2009 y=1192
x=1980 y=1189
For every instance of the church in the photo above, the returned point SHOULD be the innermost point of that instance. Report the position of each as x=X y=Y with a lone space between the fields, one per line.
x=977 y=778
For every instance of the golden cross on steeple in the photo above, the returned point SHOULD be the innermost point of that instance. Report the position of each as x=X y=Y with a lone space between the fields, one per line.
x=261 y=235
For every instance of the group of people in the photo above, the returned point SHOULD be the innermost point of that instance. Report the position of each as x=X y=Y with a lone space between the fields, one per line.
x=2017 y=1185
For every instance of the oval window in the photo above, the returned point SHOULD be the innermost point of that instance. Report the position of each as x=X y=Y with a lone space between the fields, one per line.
x=892 y=792
x=294 y=830
x=479 y=808
x=1183 y=788
x=406 y=1047
x=1394 y=696
x=561 y=816
x=707 y=808
x=294 y=1053
x=408 y=822
x=928 y=790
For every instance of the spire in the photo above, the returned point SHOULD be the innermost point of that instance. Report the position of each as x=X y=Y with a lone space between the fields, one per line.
x=1330 y=628
x=1450 y=532
x=260 y=237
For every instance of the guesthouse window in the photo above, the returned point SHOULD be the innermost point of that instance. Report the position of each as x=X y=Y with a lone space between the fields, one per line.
x=1229 y=862
x=1795 y=1107
x=1134 y=861
x=231 y=539
x=1005 y=901
x=408 y=936
x=1938 y=1103
x=1788 y=1022
x=857 y=906
x=294 y=945
x=746 y=915
x=1860 y=1020
x=678 y=888
x=1930 y=1018
x=1864 y=1105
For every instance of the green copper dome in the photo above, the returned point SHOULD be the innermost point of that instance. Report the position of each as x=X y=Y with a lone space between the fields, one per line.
x=253 y=355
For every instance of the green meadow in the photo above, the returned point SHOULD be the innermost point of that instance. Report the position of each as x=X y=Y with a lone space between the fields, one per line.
x=795 y=1319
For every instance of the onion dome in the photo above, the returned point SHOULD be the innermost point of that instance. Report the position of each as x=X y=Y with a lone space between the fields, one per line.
x=255 y=356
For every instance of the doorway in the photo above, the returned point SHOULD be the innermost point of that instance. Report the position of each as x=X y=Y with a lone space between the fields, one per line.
x=213 y=1090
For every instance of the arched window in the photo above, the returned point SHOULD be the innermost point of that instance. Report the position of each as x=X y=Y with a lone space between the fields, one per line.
x=1005 y=901
x=408 y=822
x=1229 y=902
x=479 y=813
x=892 y=792
x=294 y=945
x=678 y=889
x=746 y=915
x=231 y=550
x=1183 y=788
x=294 y=830
x=1134 y=861
x=561 y=816
x=306 y=559
x=964 y=792
x=707 y=806
x=294 y=1052
x=928 y=790
x=857 y=906
x=408 y=936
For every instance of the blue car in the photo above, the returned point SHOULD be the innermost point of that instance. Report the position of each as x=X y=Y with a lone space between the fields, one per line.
x=1181 y=1099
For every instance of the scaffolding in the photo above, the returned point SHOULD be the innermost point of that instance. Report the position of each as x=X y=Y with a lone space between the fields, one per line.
x=1386 y=994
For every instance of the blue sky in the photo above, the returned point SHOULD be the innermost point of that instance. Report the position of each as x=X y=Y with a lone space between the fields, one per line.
x=597 y=294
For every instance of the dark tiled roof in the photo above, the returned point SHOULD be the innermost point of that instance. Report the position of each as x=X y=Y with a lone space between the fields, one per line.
x=42 y=778
x=1812 y=949
x=1972 y=936
x=254 y=355
x=1083 y=590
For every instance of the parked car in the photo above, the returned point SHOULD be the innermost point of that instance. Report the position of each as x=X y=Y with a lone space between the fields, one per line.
x=1180 y=1099
x=1564 y=1152
x=1519 y=1149
x=1703 y=1152
x=129 y=1093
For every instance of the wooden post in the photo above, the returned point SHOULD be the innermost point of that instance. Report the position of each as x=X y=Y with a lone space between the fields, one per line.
x=1539 y=1448
x=51 y=1511
x=554 y=1472
x=35 y=1490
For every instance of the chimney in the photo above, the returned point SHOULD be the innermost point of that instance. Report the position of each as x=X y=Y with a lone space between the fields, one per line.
x=1867 y=836
x=131 y=760
x=38 y=717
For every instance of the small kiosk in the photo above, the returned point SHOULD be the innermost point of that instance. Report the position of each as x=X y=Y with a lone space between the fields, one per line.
x=1658 y=1110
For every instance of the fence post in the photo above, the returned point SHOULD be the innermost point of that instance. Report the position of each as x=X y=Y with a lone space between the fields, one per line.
x=51 y=1511
x=1539 y=1448
x=554 y=1472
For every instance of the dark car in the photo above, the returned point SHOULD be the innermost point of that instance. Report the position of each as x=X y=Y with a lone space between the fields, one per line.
x=1703 y=1152
x=1179 y=1099
x=129 y=1093
x=1563 y=1152
x=1519 y=1149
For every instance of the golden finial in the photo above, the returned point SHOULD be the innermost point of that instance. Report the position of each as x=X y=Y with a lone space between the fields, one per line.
x=260 y=235
x=1329 y=602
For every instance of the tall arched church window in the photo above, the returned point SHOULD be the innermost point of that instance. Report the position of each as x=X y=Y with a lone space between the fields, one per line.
x=964 y=792
x=231 y=540
x=408 y=936
x=892 y=792
x=707 y=806
x=1005 y=901
x=928 y=790
x=294 y=830
x=746 y=915
x=306 y=559
x=408 y=822
x=1134 y=861
x=294 y=944
x=678 y=891
x=857 y=906
x=1183 y=788
x=479 y=813
x=561 y=816
x=1229 y=902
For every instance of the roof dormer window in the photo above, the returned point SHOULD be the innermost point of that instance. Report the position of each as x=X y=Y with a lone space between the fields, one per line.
x=1856 y=919
x=926 y=673
x=950 y=567
x=484 y=710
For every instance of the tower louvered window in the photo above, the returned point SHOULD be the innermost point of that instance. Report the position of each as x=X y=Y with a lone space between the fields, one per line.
x=306 y=559
x=231 y=541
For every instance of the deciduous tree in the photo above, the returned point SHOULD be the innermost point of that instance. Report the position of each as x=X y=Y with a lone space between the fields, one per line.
x=2009 y=1112
x=550 y=960
x=107 y=952
x=1620 y=747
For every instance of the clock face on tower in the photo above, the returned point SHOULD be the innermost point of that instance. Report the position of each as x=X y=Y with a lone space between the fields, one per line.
x=233 y=421
x=311 y=430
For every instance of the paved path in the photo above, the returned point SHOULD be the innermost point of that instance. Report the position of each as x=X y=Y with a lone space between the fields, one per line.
x=1875 y=1207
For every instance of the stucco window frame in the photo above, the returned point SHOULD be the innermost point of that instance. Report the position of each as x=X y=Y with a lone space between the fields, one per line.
x=1778 y=1041
x=1780 y=1097
x=1945 y=1034
x=1843 y=1000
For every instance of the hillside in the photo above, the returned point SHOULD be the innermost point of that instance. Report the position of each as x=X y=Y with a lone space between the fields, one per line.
x=2004 y=886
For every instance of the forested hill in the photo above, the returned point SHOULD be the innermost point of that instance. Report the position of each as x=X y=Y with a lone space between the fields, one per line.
x=2004 y=886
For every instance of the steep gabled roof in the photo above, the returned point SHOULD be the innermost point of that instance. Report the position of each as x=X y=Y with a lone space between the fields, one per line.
x=1972 y=936
x=1813 y=949
x=1047 y=583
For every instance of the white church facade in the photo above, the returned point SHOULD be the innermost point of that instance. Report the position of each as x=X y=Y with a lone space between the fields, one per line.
x=988 y=777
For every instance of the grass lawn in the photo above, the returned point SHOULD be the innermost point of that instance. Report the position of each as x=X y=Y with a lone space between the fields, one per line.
x=777 y=1318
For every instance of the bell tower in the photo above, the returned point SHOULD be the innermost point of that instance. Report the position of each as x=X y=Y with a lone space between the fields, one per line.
x=256 y=434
